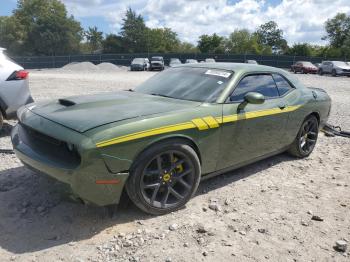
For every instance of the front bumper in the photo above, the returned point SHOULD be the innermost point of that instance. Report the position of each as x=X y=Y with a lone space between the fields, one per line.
x=312 y=71
x=88 y=177
x=156 y=66
x=136 y=68
x=343 y=73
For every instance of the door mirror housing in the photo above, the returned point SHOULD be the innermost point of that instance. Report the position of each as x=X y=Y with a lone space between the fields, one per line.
x=254 y=98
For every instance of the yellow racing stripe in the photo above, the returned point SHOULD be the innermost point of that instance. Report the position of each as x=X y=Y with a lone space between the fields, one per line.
x=199 y=123
x=146 y=133
x=211 y=121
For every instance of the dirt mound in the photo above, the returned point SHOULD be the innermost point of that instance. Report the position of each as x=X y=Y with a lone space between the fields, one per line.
x=82 y=66
x=107 y=67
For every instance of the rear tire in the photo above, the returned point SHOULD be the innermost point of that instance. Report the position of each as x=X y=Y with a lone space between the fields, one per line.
x=158 y=184
x=306 y=139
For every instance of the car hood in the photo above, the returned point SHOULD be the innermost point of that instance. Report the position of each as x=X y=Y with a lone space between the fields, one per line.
x=343 y=67
x=83 y=113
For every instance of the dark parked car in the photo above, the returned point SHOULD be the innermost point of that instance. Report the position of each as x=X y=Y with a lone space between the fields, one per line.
x=139 y=64
x=304 y=67
x=157 y=63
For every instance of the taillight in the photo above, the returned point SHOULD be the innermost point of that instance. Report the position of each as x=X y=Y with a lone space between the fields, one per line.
x=18 y=75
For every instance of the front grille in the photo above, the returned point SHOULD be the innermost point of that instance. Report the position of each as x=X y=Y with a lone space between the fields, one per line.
x=49 y=148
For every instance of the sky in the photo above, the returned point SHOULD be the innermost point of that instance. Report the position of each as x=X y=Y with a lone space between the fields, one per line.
x=300 y=20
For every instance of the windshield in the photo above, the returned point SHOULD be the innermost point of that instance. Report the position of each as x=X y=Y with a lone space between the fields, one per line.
x=191 y=61
x=137 y=61
x=187 y=83
x=156 y=59
x=307 y=64
x=340 y=63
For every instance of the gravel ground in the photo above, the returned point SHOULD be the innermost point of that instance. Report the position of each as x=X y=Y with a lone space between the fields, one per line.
x=279 y=209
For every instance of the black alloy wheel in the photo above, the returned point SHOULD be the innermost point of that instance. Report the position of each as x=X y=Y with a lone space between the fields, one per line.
x=164 y=177
x=167 y=179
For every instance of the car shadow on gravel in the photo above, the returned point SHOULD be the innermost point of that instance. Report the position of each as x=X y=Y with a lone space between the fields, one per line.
x=241 y=173
x=36 y=212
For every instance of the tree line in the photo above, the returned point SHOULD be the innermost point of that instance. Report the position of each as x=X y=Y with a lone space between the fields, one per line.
x=43 y=27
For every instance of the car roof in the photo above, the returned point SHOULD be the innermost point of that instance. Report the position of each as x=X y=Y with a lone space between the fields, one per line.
x=235 y=67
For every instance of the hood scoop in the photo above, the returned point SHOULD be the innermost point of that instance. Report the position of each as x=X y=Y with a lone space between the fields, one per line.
x=66 y=102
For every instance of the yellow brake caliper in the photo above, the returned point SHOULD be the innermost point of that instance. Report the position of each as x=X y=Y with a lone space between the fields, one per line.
x=179 y=168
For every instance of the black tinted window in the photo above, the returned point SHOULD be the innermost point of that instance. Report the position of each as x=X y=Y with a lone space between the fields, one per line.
x=263 y=84
x=282 y=84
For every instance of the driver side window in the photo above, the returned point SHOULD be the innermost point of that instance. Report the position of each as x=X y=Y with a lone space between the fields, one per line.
x=263 y=84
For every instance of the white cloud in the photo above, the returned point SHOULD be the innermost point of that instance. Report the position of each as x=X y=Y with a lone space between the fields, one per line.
x=301 y=20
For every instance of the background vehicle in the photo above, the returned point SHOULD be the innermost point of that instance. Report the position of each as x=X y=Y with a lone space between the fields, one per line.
x=174 y=61
x=304 y=67
x=181 y=125
x=139 y=64
x=191 y=61
x=334 y=68
x=252 y=62
x=210 y=60
x=157 y=63
x=14 y=90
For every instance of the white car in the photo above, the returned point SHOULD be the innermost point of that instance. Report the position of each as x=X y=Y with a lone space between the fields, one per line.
x=14 y=88
x=191 y=61
x=210 y=60
x=335 y=68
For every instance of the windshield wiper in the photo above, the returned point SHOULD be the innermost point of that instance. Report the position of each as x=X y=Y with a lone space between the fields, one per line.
x=156 y=94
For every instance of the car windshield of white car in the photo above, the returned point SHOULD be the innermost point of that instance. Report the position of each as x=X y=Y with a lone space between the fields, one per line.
x=194 y=84
x=156 y=59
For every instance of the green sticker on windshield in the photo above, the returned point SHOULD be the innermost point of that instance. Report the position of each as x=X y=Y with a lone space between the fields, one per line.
x=220 y=73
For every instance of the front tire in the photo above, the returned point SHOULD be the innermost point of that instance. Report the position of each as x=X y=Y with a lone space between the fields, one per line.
x=306 y=139
x=334 y=73
x=164 y=177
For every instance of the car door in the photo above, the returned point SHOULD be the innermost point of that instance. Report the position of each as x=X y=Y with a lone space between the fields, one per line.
x=328 y=67
x=257 y=129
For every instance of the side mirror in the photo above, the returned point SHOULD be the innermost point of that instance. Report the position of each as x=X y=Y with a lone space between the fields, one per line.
x=254 y=98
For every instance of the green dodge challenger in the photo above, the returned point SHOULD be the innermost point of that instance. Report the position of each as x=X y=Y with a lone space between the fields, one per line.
x=159 y=140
